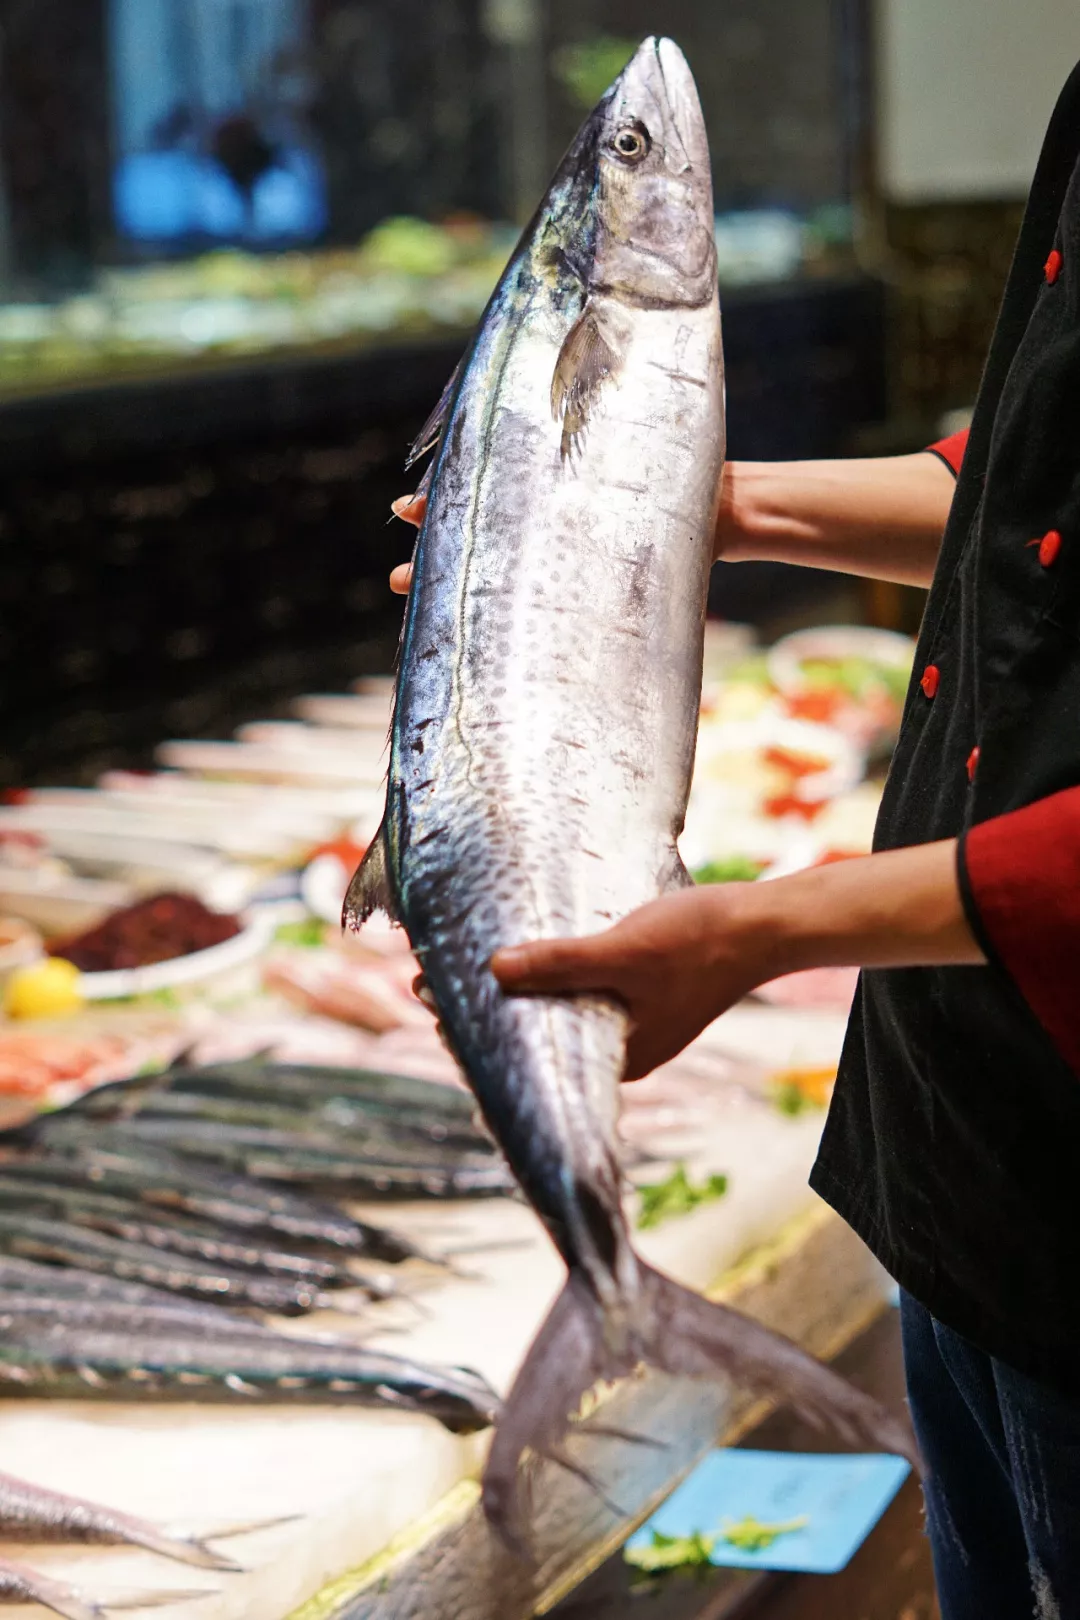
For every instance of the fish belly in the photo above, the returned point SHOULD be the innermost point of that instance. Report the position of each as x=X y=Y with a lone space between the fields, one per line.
x=546 y=730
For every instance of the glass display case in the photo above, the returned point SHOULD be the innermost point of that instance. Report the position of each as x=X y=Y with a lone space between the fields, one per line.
x=187 y=181
x=241 y=245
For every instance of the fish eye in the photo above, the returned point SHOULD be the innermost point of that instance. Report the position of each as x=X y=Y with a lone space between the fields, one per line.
x=631 y=143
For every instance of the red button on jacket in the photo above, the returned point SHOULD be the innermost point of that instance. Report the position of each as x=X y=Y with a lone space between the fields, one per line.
x=1049 y=546
x=973 y=763
x=931 y=678
x=1053 y=267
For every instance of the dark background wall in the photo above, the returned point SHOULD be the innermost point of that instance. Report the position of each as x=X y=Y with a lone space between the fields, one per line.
x=178 y=556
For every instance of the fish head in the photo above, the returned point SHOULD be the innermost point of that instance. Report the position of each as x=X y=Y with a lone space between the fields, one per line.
x=655 y=238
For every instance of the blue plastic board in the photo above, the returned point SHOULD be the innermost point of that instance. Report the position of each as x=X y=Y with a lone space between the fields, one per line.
x=841 y=1498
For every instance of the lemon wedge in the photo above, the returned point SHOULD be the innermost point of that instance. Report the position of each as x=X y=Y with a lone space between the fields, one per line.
x=50 y=988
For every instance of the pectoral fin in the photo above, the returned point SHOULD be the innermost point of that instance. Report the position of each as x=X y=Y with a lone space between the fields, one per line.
x=588 y=358
x=370 y=889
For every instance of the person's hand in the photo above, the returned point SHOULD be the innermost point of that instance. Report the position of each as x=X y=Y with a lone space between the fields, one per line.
x=411 y=509
x=682 y=960
x=675 y=964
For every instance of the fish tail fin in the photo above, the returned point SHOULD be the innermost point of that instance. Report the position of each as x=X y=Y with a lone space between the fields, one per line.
x=370 y=889
x=191 y=1550
x=19 y=1583
x=675 y=1331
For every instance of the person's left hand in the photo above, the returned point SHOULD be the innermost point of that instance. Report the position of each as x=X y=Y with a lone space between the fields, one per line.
x=411 y=509
x=676 y=964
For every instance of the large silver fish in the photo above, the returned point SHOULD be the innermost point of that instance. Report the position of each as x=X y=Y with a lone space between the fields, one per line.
x=546 y=718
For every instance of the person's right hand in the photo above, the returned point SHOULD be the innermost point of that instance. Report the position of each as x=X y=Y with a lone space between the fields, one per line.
x=411 y=509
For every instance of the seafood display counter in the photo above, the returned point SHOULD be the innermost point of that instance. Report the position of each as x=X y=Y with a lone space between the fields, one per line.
x=353 y=1509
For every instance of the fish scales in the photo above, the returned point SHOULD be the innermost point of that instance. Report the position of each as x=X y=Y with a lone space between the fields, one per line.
x=546 y=717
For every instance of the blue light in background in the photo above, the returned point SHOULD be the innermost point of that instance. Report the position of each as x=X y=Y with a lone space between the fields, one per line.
x=208 y=126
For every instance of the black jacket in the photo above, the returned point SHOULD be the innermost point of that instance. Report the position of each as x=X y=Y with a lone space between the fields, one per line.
x=953 y=1141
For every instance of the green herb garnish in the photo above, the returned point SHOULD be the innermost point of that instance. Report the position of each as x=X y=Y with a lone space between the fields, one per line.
x=732 y=869
x=790 y=1099
x=857 y=676
x=309 y=931
x=750 y=1535
x=671 y=1552
x=663 y=1200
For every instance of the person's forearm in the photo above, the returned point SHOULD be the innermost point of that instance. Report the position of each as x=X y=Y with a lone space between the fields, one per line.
x=882 y=517
x=901 y=908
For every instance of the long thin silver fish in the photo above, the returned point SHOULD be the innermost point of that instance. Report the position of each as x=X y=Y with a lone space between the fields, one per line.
x=42 y=1358
x=546 y=719
x=38 y=1280
x=37 y=1238
x=309 y=1083
x=176 y=1315
x=127 y=1218
x=278 y=1155
x=32 y=1513
x=103 y=1158
x=20 y=1584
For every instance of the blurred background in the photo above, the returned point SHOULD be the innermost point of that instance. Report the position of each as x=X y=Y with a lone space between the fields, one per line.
x=242 y=241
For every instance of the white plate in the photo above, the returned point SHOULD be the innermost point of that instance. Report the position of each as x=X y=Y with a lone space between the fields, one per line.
x=786 y=658
x=357 y=713
x=61 y=905
x=846 y=762
x=19 y=945
x=231 y=953
x=257 y=762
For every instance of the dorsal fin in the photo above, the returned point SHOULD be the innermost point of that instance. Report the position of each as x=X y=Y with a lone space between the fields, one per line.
x=429 y=435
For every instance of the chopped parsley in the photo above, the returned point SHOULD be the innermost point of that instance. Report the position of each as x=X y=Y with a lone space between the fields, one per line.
x=671 y=1552
x=663 y=1200
x=750 y=1535
x=732 y=869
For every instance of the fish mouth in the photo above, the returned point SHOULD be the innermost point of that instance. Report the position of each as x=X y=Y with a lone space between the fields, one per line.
x=660 y=64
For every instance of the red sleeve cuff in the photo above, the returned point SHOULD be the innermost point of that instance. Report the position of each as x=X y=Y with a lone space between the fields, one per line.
x=951 y=450
x=1020 y=876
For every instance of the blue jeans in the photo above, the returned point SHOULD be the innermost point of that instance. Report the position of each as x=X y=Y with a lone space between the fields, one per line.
x=1002 y=1457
